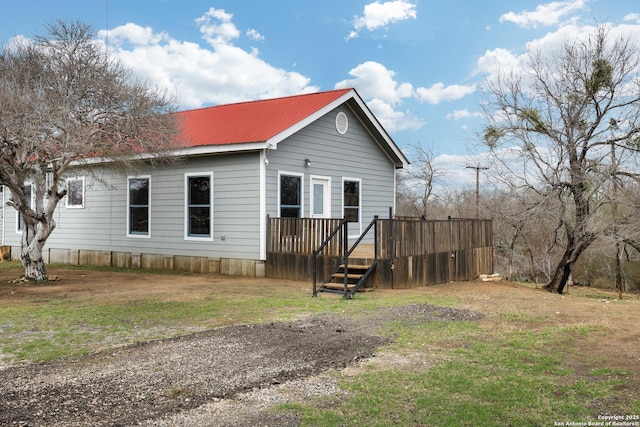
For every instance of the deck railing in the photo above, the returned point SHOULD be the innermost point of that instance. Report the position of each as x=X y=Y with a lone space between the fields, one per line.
x=413 y=251
x=302 y=236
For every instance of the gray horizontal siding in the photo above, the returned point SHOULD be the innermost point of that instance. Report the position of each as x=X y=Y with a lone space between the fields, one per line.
x=102 y=223
x=354 y=155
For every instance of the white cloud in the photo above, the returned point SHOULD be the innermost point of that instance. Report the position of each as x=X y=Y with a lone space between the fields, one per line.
x=495 y=60
x=439 y=92
x=221 y=73
x=545 y=14
x=633 y=17
x=384 y=95
x=216 y=27
x=18 y=40
x=391 y=118
x=255 y=35
x=462 y=114
x=374 y=80
x=378 y=15
x=135 y=35
x=502 y=61
x=459 y=175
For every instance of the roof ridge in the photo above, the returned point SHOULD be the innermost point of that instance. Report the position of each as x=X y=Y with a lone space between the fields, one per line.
x=345 y=90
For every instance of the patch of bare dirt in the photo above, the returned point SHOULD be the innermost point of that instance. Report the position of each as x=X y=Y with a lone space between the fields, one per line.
x=231 y=376
x=191 y=379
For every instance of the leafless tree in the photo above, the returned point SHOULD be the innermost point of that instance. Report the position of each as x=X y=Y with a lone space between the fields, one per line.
x=564 y=112
x=64 y=104
x=416 y=182
x=524 y=245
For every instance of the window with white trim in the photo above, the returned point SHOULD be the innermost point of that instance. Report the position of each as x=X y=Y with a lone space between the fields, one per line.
x=199 y=206
x=351 y=200
x=290 y=191
x=138 y=206
x=75 y=192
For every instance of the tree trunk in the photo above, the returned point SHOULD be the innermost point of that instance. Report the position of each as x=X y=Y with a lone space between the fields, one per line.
x=561 y=274
x=618 y=271
x=31 y=255
x=569 y=258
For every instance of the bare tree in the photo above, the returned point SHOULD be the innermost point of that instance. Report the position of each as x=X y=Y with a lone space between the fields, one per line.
x=416 y=182
x=65 y=103
x=521 y=221
x=564 y=112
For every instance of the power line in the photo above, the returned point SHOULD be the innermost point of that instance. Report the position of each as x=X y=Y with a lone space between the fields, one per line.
x=478 y=168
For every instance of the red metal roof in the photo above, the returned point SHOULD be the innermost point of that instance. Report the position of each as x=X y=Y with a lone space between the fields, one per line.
x=254 y=121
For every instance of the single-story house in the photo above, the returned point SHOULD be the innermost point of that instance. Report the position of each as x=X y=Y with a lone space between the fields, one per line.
x=314 y=155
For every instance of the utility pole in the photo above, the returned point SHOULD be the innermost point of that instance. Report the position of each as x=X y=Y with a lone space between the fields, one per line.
x=614 y=212
x=477 y=168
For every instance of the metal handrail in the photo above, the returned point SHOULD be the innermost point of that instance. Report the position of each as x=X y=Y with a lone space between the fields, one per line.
x=349 y=294
x=320 y=248
x=347 y=252
x=364 y=233
x=328 y=239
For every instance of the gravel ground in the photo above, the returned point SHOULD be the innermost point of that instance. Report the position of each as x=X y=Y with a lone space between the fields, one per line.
x=225 y=377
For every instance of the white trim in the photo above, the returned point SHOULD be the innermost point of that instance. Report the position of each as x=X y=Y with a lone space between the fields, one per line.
x=186 y=207
x=326 y=195
x=352 y=94
x=81 y=205
x=301 y=175
x=186 y=151
x=372 y=119
x=342 y=129
x=263 y=204
x=359 y=180
x=311 y=118
x=136 y=235
x=224 y=148
x=272 y=143
x=395 y=189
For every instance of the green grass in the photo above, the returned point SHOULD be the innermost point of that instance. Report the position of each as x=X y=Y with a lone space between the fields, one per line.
x=458 y=374
x=50 y=328
x=486 y=379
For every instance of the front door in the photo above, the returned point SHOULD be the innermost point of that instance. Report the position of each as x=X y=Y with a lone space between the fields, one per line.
x=320 y=197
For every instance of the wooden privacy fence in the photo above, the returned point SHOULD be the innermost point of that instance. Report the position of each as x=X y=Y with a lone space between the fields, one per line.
x=302 y=236
x=416 y=252
x=412 y=251
x=292 y=241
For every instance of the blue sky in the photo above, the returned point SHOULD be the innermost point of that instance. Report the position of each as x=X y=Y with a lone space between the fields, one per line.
x=419 y=64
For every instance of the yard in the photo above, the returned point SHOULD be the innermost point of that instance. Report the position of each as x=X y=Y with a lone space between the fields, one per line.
x=140 y=348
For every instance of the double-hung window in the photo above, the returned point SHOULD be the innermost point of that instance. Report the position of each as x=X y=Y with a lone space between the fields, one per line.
x=351 y=189
x=75 y=192
x=199 y=206
x=138 y=202
x=290 y=192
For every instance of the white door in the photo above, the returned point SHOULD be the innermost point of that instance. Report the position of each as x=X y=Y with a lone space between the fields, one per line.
x=320 y=197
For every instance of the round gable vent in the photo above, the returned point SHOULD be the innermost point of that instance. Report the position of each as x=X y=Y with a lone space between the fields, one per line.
x=342 y=123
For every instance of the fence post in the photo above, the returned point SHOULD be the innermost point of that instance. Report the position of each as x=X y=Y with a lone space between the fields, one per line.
x=345 y=257
x=451 y=253
x=268 y=239
x=392 y=249
x=375 y=239
x=315 y=268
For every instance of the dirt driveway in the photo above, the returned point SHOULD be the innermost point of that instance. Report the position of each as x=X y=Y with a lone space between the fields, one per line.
x=231 y=376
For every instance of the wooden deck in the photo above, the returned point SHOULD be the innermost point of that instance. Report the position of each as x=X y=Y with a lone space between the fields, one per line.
x=411 y=252
x=363 y=251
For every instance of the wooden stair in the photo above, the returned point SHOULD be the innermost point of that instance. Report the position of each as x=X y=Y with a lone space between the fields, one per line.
x=356 y=276
x=349 y=279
